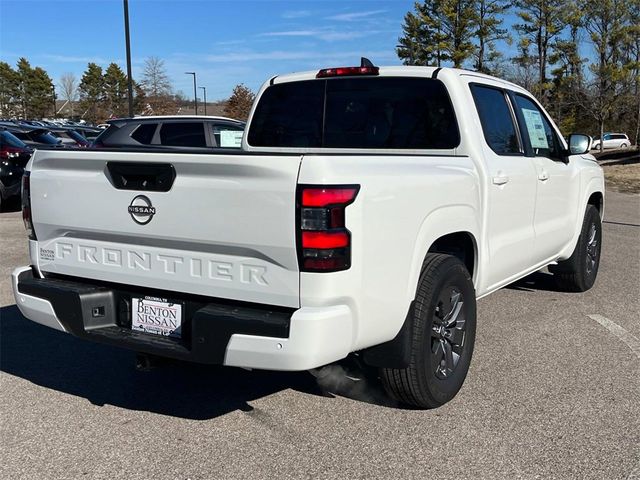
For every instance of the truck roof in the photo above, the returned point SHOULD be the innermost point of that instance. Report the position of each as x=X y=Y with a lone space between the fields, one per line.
x=177 y=117
x=391 y=71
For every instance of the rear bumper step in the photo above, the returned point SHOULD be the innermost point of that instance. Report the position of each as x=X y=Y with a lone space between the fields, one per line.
x=214 y=332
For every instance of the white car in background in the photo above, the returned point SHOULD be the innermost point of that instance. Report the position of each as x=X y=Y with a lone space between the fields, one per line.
x=611 y=140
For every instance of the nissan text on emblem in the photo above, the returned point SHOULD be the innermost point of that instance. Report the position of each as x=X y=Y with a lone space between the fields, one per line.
x=141 y=210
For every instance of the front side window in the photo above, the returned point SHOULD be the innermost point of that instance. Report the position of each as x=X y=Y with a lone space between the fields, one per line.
x=497 y=121
x=227 y=136
x=359 y=113
x=183 y=134
x=542 y=137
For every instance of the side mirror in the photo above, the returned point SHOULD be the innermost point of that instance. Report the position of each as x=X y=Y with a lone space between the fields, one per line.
x=579 y=144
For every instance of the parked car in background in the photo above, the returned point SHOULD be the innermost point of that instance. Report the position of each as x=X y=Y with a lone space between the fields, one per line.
x=35 y=137
x=14 y=155
x=90 y=133
x=172 y=131
x=611 y=140
x=14 y=149
x=69 y=136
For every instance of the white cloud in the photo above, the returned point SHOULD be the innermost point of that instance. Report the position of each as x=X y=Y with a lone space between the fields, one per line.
x=328 y=34
x=74 y=59
x=309 y=56
x=296 y=14
x=350 y=17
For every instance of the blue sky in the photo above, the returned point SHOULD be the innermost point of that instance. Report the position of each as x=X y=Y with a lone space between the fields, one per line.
x=225 y=42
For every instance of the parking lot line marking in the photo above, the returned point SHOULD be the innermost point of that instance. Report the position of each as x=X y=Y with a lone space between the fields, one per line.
x=632 y=342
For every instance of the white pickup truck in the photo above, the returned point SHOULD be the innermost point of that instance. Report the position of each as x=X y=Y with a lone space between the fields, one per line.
x=368 y=209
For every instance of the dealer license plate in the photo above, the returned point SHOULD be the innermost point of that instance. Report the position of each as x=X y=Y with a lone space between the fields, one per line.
x=155 y=315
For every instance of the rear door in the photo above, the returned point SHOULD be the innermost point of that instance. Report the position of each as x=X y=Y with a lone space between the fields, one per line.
x=512 y=188
x=216 y=225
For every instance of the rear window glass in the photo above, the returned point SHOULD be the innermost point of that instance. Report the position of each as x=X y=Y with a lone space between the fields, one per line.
x=144 y=133
x=381 y=112
x=183 y=134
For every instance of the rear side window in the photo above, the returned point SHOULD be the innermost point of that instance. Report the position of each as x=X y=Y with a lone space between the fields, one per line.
x=144 y=133
x=497 y=121
x=183 y=134
x=380 y=112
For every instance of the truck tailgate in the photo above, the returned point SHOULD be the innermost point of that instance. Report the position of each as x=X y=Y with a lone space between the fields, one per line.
x=225 y=228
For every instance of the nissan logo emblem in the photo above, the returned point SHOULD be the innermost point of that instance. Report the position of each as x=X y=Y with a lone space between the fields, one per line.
x=141 y=210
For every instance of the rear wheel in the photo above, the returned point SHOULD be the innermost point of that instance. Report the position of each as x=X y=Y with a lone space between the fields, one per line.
x=578 y=273
x=624 y=145
x=443 y=335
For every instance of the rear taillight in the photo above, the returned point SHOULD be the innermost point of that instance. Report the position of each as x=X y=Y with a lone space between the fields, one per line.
x=26 y=205
x=7 y=152
x=324 y=243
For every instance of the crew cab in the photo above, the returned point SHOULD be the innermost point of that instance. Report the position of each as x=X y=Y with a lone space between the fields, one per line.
x=367 y=210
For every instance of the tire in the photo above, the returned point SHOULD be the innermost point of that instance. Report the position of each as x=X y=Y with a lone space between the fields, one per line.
x=443 y=327
x=578 y=273
x=623 y=145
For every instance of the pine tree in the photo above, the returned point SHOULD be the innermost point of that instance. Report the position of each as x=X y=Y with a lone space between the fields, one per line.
x=568 y=76
x=488 y=21
x=92 y=94
x=541 y=23
x=421 y=38
x=10 y=91
x=115 y=91
x=36 y=89
x=438 y=31
x=239 y=104
x=608 y=27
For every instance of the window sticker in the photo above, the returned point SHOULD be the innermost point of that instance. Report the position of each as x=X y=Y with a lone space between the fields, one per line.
x=535 y=127
x=231 y=138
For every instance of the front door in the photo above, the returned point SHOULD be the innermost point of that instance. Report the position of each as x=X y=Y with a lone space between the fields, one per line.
x=558 y=185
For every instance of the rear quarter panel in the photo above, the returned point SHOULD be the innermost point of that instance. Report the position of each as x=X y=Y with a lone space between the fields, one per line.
x=405 y=203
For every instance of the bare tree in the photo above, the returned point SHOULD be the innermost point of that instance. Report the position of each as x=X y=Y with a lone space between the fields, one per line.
x=155 y=80
x=157 y=87
x=69 y=87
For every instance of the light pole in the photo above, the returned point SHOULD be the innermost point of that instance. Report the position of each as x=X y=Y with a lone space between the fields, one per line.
x=128 y=46
x=195 y=90
x=204 y=92
x=53 y=90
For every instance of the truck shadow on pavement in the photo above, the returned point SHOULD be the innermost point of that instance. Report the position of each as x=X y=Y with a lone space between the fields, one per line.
x=105 y=375
x=538 y=281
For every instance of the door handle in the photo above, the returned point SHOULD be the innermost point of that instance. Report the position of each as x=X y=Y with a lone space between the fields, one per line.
x=543 y=176
x=500 y=179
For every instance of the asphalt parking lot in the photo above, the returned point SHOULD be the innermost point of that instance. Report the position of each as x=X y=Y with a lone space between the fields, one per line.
x=551 y=393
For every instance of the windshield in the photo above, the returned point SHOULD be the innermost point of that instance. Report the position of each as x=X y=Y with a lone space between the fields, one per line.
x=7 y=138
x=356 y=112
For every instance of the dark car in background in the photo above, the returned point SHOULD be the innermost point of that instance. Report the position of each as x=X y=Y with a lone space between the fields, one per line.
x=14 y=155
x=69 y=136
x=172 y=132
x=35 y=136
